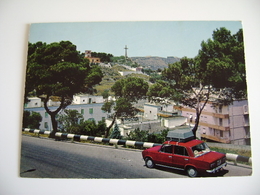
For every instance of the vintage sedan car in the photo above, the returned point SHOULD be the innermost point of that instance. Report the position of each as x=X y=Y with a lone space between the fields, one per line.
x=190 y=155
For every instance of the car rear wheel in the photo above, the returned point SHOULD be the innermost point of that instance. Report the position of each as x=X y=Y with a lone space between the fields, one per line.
x=192 y=172
x=149 y=163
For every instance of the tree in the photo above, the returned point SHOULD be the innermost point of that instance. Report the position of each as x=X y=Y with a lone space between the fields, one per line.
x=138 y=135
x=116 y=133
x=89 y=127
x=73 y=122
x=104 y=57
x=218 y=71
x=158 y=137
x=105 y=94
x=69 y=121
x=58 y=69
x=127 y=91
x=31 y=119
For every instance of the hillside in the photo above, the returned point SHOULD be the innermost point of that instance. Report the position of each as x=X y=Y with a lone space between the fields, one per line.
x=155 y=63
x=111 y=75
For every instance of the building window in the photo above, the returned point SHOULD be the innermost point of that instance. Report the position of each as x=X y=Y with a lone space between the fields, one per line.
x=46 y=115
x=46 y=125
x=245 y=107
x=89 y=100
x=220 y=109
x=91 y=111
x=82 y=111
x=220 y=122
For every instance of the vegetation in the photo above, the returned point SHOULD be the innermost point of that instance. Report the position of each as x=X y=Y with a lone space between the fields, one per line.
x=218 y=72
x=104 y=57
x=116 y=133
x=31 y=120
x=232 y=151
x=73 y=122
x=57 y=69
x=144 y=136
x=127 y=91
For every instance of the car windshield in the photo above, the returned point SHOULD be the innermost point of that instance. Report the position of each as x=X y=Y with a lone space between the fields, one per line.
x=200 y=149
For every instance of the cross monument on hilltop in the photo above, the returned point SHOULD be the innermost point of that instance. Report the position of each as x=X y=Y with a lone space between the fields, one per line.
x=126 y=51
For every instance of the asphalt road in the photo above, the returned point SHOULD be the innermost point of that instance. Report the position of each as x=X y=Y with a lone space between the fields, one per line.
x=46 y=158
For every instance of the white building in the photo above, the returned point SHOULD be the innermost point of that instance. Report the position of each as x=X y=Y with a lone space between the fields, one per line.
x=151 y=111
x=166 y=114
x=124 y=73
x=87 y=99
x=90 y=109
x=34 y=102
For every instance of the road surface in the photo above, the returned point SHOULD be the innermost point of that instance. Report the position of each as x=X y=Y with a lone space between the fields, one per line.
x=46 y=158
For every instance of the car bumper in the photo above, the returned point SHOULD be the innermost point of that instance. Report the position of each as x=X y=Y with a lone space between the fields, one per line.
x=217 y=168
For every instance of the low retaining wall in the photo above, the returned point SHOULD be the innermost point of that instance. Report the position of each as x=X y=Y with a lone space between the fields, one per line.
x=96 y=139
x=231 y=157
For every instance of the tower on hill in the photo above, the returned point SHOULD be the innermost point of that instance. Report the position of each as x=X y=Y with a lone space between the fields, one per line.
x=126 y=52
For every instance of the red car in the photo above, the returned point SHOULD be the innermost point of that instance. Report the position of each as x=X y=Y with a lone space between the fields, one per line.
x=193 y=156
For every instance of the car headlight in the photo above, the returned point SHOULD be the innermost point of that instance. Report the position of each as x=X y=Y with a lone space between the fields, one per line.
x=212 y=165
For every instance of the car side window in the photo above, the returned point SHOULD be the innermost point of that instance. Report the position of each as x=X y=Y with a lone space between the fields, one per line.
x=180 y=150
x=166 y=148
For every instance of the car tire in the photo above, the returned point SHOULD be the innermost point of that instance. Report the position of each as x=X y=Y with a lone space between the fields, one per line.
x=192 y=172
x=149 y=163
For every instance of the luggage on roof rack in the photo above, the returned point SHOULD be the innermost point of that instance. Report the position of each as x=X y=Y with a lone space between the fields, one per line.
x=180 y=135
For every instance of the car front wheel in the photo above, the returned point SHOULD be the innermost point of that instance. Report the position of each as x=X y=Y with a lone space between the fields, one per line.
x=149 y=163
x=192 y=172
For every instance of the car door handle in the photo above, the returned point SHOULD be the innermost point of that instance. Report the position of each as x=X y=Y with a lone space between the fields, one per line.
x=170 y=156
x=186 y=159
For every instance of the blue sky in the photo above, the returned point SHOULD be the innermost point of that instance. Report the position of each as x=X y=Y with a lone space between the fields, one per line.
x=164 y=38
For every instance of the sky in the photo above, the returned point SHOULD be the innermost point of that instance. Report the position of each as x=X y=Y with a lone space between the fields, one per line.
x=148 y=38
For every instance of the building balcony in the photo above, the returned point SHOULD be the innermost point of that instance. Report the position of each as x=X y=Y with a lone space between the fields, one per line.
x=246 y=125
x=218 y=115
x=217 y=139
x=218 y=127
x=222 y=128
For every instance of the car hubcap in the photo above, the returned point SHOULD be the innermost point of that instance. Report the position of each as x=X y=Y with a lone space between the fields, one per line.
x=149 y=163
x=192 y=172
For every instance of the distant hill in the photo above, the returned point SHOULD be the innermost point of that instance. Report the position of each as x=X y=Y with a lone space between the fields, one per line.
x=153 y=62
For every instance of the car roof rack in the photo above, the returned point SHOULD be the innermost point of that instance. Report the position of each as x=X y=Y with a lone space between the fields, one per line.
x=180 y=135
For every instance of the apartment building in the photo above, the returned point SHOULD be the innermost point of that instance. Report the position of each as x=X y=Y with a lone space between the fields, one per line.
x=225 y=124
